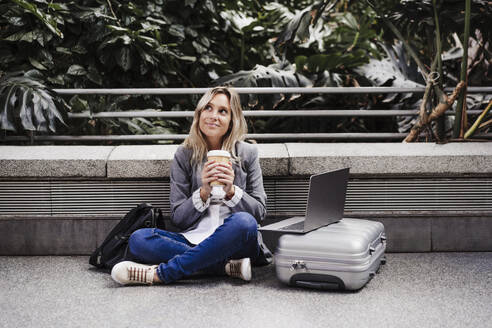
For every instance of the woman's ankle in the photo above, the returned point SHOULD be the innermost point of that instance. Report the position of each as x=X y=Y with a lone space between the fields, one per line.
x=156 y=280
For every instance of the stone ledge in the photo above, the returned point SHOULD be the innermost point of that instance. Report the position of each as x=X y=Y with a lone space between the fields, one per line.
x=391 y=158
x=274 y=159
x=54 y=161
x=291 y=159
x=155 y=161
x=141 y=161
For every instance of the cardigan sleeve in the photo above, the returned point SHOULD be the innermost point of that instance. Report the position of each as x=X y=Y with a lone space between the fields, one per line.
x=253 y=198
x=185 y=211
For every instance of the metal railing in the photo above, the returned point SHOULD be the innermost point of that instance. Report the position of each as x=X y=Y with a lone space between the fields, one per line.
x=186 y=91
x=248 y=113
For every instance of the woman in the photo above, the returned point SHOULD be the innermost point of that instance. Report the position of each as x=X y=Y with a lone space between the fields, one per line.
x=219 y=237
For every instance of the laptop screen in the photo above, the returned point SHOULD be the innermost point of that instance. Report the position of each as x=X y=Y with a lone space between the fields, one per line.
x=326 y=198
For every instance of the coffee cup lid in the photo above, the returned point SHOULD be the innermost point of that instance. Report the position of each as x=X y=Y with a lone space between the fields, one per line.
x=223 y=153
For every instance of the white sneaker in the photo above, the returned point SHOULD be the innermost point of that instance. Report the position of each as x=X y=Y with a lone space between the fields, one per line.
x=239 y=268
x=132 y=273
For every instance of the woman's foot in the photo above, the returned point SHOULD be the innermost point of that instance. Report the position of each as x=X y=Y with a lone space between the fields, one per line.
x=132 y=273
x=239 y=268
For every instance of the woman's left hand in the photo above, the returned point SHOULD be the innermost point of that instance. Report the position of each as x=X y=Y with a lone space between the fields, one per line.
x=226 y=176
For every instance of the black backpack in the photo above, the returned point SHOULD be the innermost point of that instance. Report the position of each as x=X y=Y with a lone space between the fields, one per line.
x=114 y=248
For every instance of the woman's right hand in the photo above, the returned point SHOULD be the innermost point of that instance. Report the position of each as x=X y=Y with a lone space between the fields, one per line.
x=208 y=175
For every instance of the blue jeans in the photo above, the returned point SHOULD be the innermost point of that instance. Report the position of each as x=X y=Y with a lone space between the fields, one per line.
x=236 y=238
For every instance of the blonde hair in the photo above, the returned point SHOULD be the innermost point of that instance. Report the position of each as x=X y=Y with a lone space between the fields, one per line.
x=236 y=132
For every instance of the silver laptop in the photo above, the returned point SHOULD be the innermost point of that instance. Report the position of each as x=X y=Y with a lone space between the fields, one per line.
x=326 y=201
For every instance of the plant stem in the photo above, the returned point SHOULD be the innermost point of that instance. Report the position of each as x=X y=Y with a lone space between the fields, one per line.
x=436 y=112
x=484 y=124
x=475 y=125
x=458 y=119
x=443 y=106
x=440 y=121
x=112 y=12
x=425 y=100
x=438 y=43
x=241 y=65
x=423 y=117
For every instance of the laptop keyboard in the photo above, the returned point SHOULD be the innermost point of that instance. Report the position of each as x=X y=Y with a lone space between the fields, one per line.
x=296 y=226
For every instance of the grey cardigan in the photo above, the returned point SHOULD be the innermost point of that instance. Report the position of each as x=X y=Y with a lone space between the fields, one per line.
x=185 y=179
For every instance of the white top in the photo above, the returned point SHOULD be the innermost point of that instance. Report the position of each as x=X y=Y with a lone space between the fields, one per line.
x=218 y=211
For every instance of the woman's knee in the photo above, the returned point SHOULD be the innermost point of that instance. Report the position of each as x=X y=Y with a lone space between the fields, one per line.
x=138 y=237
x=245 y=222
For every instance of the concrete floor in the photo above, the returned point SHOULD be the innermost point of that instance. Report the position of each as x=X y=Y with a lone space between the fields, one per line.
x=412 y=290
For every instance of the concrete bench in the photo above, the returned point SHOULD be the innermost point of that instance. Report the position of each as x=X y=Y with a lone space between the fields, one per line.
x=64 y=199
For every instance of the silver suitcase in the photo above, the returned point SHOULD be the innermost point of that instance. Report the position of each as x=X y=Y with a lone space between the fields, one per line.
x=342 y=255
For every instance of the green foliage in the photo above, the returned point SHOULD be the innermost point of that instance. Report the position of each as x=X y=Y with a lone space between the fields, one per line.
x=198 y=43
x=393 y=71
x=96 y=43
x=415 y=20
x=338 y=41
x=141 y=44
x=26 y=104
x=93 y=44
x=49 y=21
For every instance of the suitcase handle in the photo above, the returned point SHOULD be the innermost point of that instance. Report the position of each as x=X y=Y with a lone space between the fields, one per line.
x=317 y=284
x=318 y=281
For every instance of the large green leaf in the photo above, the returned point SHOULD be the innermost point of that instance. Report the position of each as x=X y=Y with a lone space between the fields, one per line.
x=21 y=35
x=25 y=110
x=63 y=50
x=262 y=76
x=178 y=31
x=79 y=104
x=36 y=64
x=392 y=69
x=41 y=124
x=123 y=58
x=6 y=109
x=76 y=70
x=298 y=26
x=26 y=101
x=50 y=107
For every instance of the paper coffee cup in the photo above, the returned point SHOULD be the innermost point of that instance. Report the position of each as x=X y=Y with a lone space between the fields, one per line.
x=220 y=156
